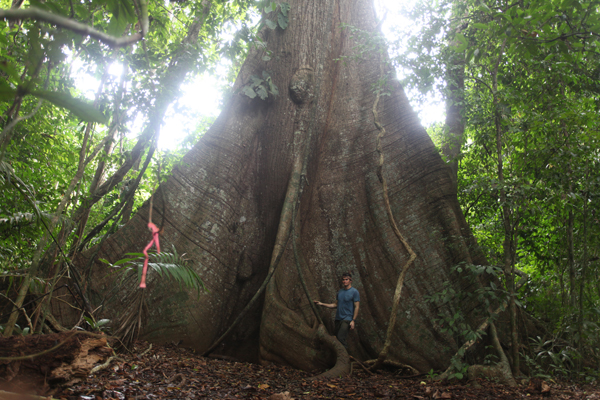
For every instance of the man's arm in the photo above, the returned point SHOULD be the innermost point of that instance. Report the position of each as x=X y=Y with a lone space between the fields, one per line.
x=356 y=305
x=326 y=305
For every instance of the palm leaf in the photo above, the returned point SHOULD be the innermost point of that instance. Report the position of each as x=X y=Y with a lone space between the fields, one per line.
x=168 y=265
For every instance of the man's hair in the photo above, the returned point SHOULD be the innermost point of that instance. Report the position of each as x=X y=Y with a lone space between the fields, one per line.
x=347 y=274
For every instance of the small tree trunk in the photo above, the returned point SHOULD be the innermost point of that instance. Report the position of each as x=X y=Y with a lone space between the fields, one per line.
x=571 y=260
x=108 y=148
x=508 y=242
x=584 y=267
x=455 y=85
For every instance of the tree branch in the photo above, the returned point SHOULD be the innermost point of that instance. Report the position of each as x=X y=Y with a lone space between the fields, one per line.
x=38 y=14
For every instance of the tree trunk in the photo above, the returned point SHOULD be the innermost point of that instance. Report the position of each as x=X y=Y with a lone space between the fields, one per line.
x=455 y=97
x=223 y=208
x=571 y=259
x=507 y=220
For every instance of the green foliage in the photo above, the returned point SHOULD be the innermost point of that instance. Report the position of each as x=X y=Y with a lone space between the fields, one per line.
x=43 y=144
x=97 y=326
x=168 y=265
x=432 y=375
x=451 y=317
x=530 y=99
x=280 y=17
x=261 y=87
x=20 y=331
x=59 y=145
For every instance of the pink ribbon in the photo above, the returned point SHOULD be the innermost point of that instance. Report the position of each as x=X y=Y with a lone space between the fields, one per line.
x=154 y=240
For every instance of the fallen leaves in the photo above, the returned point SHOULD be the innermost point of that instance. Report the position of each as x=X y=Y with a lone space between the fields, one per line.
x=537 y=385
x=176 y=373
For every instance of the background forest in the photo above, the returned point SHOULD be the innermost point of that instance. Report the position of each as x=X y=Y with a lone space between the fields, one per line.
x=521 y=85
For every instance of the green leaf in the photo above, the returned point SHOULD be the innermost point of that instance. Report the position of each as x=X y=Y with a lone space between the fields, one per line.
x=463 y=43
x=262 y=92
x=10 y=70
x=127 y=8
x=484 y=6
x=549 y=56
x=6 y=92
x=479 y=25
x=273 y=88
x=285 y=7
x=282 y=20
x=116 y=26
x=80 y=108
x=248 y=91
x=256 y=80
x=102 y=322
x=506 y=17
x=270 y=24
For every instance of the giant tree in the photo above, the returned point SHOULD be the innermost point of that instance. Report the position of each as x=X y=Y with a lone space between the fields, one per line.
x=314 y=160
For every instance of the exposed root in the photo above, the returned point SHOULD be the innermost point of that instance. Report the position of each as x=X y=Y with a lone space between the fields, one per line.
x=355 y=361
x=105 y=365
x=146 y=351
x=19 y=396
x=394 y=364
x=503 y=365
x=468 y=344
x=500 y=372
x=342 y=364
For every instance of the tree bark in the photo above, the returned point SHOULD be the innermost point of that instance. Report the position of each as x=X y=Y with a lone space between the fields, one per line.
x=223 y=208
x=64 y=358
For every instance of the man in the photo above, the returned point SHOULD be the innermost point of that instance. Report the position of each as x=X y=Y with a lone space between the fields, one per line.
x=348 y=300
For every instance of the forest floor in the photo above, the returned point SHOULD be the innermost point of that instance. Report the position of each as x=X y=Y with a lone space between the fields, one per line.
x=178 y=373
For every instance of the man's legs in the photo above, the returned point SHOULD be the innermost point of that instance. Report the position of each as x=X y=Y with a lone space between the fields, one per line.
x=341 y=331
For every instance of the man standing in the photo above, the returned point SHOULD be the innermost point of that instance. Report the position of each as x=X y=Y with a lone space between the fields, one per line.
x=347 y=303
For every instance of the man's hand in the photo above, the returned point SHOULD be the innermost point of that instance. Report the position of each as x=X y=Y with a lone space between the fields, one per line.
x=351 y=325
x=326 y=305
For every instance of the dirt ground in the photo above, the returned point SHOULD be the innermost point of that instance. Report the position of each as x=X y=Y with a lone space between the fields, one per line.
x=178 y=373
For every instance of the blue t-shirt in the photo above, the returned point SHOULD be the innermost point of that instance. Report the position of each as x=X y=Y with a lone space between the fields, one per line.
x=345 y=304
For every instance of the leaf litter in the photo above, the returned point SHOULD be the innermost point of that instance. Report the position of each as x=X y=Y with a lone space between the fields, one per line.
x=171 y=372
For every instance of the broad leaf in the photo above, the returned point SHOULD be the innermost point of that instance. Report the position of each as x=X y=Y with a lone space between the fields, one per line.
x=282 y=20
x=6 y=92
x=262 y=92
x=248 y=91
x=285 y=7
x=270 y=24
